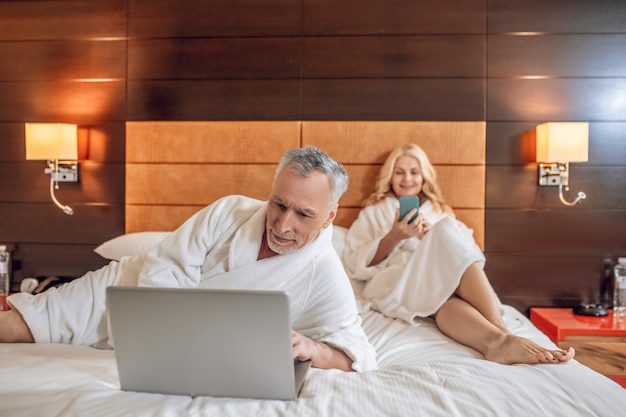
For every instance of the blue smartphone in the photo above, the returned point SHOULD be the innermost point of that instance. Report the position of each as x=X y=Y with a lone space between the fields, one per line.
x=407 y=204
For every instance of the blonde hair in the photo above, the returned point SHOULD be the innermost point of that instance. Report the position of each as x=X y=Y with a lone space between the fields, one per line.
x=430 y=189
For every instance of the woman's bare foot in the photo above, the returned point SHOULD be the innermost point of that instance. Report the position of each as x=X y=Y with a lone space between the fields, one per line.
x=510 y=349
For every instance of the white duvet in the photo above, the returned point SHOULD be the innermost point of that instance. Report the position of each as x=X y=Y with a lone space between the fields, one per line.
x=421 y=373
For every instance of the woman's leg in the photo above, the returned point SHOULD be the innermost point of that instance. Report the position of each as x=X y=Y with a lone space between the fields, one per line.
x=478 y=292
x=462 y=322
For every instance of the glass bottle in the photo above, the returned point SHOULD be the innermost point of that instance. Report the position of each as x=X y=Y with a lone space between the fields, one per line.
x=5 y=277
x=619 y=289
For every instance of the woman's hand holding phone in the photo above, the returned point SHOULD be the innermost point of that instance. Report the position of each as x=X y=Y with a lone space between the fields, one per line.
x=409 y=222
x=403 y=227
x=408 y=204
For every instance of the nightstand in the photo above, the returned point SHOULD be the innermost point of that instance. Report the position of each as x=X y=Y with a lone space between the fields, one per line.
x=600 y=342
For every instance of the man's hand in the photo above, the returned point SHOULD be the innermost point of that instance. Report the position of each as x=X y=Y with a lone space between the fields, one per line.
x=400 y=230
x=320 y=354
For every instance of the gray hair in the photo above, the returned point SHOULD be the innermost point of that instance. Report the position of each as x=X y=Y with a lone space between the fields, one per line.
x=303 y=161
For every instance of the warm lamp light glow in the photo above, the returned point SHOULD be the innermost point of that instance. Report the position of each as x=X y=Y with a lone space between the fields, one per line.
x=558 y=144
x=563 y=142
x=58 y=144
x=51 y=141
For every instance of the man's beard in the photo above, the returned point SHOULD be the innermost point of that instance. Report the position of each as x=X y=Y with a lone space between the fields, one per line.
x=280 y=249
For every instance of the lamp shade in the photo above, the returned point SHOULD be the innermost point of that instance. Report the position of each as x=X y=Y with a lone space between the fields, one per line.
x=51 y=141
x=563 y=142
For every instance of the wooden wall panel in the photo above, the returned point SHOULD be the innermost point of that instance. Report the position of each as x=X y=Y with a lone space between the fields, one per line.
x=319 y=60
x=98 y=184
x=176 y=19
x=73 y=60
x=544 y=280
x=557 y=55
x=101 y=170
x=554 y=61
x=557 y=99
x=207 y=60
x=354 y=17
x=218 y=142
x=47 y=242
x=157 y=218
x=213 y=100
x=515 y=144
x=63 y=61
x=447 y=142
x=27 y=223
x=182 y=184
x=515 y=187
x=62 y=19
x=62 y=101
x=556 y=232
x=102 y=142
x=215 y=58
x=46 y=260
x=457 y=149
x=556 y=16
x=394 y=56
x=393 y=99
x=175 y=168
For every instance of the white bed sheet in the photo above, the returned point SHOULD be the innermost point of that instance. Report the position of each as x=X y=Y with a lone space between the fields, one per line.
x=422 y=373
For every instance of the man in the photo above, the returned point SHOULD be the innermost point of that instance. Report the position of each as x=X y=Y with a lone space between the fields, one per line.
x=236 y=242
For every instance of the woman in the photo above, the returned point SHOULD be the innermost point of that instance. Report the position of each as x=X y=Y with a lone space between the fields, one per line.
x=430 y=267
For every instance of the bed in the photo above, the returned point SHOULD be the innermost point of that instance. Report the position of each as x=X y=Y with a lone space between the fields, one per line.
x=421 y=372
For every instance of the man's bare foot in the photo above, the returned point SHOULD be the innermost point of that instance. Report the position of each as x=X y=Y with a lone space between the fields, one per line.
x=510 y=349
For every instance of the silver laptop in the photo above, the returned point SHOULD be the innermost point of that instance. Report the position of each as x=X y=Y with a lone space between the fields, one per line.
x=202 y=342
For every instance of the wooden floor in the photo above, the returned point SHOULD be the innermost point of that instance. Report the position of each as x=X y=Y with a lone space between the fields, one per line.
x=606 y=355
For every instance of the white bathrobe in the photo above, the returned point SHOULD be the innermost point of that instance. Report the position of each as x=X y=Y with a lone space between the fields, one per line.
x=417 y=277
x=215 y=248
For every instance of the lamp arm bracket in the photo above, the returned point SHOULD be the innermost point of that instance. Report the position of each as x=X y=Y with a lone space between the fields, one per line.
x=581 y=196
x=66 y=209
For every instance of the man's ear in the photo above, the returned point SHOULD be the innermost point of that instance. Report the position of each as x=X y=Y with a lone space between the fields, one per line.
x=331 y=216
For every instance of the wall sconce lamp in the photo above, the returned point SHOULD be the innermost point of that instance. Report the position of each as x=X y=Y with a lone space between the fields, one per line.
x=58 y=144
x=558 y=144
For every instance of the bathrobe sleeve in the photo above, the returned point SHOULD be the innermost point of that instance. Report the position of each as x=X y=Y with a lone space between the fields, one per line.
x=366 y=232
x=216 y=248
x=329 y=312
x=178 y=261
x=75 y=313
x=363 y=238
x=418 y=275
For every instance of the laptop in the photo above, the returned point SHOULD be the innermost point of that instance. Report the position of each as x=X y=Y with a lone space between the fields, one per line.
x=204 y=342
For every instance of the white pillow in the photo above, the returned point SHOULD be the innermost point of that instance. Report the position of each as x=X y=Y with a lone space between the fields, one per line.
x=130 y=244
x=140 y=243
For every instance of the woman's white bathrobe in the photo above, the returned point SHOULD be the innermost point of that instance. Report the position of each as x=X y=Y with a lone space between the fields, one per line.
x=215 y=248
x=417 y=277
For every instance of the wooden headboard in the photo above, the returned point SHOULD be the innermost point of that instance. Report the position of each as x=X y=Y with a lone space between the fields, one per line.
x=175 y=168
